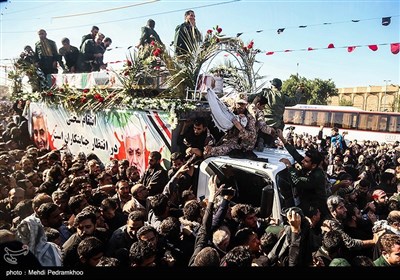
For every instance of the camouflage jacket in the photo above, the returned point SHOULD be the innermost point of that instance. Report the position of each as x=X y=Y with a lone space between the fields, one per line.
x=275 y=107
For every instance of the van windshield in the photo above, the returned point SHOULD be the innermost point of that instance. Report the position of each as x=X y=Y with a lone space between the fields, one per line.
x=248 y=184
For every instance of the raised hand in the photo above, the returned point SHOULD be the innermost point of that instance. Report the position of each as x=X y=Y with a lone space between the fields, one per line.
x=213 y=189
x=294 y=220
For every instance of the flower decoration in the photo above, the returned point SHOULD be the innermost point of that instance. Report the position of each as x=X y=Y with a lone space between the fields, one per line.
x=250 y=45
x=98 y=100
x=157 y=52
x=184 y=69
x=98 y=97
x=151 y=53
x=83 y=99
x=213 y=35
x=140 y=78
x=243 y=78
x=26 y=67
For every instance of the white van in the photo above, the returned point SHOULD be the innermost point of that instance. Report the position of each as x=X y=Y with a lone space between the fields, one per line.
x=262 y=182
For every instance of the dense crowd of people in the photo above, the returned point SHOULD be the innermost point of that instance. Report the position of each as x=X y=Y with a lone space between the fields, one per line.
x=59 y=209
x=75 y=211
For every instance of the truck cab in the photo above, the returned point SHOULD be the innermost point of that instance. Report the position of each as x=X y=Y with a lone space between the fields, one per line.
x=262 y=182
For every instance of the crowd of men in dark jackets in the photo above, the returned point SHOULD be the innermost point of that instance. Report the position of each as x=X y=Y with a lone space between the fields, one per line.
x=75 y=211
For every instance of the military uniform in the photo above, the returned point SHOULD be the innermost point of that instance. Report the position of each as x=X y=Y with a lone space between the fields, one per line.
x=275 y=107
x=149 y=35
x=261 y=125
x=237 y=140
x=381 y=262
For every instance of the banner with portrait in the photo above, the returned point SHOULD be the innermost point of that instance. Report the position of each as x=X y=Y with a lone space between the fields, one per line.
x=103 y=79
x=110 y=134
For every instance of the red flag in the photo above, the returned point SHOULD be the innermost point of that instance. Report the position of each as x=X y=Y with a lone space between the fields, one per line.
x=310 y=49
x=394 y=48
x=373 y=47
x=269 y=53
x=350 y=49
x=288 y=50
x=331 y=46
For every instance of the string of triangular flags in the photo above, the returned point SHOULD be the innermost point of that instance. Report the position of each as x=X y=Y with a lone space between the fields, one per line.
x=384 y=20
x=394 y=48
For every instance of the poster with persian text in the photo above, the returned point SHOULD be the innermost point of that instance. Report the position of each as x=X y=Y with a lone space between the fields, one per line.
x=110 y=134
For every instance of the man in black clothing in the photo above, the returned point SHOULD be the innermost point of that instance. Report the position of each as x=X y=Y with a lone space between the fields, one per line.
x=310 y=181
x=155 y=178
x=149 y=34
x=102 y=48
x=186 y=34
x=91 y=53
x=85 y=224
x=15 y=253
x=91 y=35
x=46 y=54
x=28 y=55
x=194 y=139
x=71 y=56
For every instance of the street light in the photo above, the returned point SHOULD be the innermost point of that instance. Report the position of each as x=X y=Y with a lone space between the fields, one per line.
x=384 y=98
x=397 y=101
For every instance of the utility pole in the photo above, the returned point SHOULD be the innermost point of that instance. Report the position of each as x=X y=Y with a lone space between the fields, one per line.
x=384 y=98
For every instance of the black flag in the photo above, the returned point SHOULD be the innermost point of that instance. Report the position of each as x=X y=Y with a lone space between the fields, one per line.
x=386 y=21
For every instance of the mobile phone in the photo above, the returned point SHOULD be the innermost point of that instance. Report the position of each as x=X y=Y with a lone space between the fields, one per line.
x=228 y=191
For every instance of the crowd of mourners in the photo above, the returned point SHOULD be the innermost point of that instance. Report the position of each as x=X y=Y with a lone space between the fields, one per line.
x=75 y=211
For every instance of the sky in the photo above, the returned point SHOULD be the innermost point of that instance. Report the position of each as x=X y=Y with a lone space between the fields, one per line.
x=256 y=20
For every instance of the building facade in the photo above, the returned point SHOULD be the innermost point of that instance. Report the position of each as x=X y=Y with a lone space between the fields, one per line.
x=371 y=98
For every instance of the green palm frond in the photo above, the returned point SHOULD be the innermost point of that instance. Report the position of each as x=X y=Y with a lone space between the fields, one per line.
x=185 y=68
x=140 y=90
x=241 y=77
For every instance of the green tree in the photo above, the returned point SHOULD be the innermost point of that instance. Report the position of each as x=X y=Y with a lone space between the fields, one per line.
x=395 y=106
x=344 y=102
x=316 y=91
